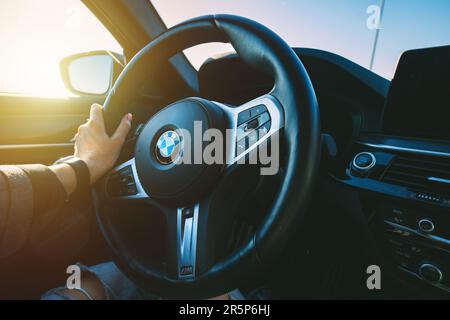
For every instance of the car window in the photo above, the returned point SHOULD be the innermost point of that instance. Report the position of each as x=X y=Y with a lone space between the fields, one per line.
x=36 y=35
x=372 y=33
x=316 y=24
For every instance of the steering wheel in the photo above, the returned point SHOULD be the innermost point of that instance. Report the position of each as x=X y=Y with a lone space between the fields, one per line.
x=185 y=192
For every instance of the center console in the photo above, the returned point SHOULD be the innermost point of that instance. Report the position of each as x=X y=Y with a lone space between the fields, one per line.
x=404 y=171
x=409 y=199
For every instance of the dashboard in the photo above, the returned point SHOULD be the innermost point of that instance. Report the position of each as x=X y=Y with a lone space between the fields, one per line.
x=393 y=152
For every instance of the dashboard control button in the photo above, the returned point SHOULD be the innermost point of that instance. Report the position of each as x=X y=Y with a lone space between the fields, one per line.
x=430 y=272
x=398 y=220
x=415 y=249
x=426 y=225
x=398 y=232
x=398 y=214
x=364 y=161
x=252 y=125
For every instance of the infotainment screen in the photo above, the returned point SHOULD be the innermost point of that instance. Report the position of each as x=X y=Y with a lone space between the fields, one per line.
x=418 y=103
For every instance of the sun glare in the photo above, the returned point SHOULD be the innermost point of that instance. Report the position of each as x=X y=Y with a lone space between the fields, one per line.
x=36 y=35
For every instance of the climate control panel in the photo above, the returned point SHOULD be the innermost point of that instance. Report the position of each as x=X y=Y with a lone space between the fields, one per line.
x=418 y=240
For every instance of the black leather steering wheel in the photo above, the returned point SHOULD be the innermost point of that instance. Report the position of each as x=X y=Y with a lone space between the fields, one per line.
x=185 y=192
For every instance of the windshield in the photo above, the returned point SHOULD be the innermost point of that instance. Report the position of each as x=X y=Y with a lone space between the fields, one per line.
x=372 y=33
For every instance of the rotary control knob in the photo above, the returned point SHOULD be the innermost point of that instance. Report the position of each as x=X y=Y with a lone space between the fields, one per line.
x=430 y=272
x=426 y=225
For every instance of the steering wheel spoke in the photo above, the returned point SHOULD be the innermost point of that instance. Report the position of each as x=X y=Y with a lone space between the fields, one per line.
x=190 y=241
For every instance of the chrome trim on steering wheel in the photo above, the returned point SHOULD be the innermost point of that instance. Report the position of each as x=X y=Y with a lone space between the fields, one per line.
x=187 y=241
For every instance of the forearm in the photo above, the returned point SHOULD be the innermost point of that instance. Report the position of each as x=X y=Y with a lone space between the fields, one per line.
x=27 y=193
x=66 y=175
x=43 y=181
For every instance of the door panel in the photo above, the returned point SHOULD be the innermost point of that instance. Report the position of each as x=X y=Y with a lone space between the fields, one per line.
x=34 y=153
x=40 y=130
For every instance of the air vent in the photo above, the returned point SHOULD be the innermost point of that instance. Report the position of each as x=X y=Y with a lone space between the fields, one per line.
x=419 y=173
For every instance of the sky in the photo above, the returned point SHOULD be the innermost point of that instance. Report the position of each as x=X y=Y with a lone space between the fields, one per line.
x=36 y=35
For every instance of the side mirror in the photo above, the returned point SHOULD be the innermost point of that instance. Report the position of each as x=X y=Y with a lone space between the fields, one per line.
x=91 y=73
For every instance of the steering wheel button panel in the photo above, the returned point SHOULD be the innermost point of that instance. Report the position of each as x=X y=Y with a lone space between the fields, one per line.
x=124 y=183
x=253 y=124
x=252 y=114
x=250 y=132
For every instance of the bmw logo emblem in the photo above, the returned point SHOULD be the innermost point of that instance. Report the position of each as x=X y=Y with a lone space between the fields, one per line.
x=168 y=147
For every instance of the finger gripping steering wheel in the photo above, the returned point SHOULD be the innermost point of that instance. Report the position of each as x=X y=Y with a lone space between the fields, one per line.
x=185 y=192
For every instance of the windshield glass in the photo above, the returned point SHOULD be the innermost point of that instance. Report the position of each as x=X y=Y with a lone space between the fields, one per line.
x=372 y=33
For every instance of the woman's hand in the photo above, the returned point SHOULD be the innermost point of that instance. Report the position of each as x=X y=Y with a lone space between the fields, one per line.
x=93 y=145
